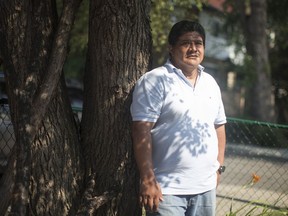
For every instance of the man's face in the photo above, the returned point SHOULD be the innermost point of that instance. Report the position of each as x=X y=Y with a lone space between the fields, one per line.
x=188 y=52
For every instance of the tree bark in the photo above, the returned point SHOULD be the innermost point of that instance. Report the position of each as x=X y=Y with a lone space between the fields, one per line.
x=33 y=46
x=259 y=101
x=118 y=53
x=49 y=170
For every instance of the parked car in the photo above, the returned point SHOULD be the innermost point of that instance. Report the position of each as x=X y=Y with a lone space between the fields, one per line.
x=75 y=92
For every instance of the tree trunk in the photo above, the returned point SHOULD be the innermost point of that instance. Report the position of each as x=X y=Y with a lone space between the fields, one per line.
x=259 y=100
x=33 y=45
x=118 y=53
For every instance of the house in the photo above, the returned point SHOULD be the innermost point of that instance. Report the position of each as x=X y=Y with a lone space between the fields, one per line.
x=220 y=57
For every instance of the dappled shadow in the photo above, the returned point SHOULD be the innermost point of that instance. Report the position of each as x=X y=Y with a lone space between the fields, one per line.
x=178 y=151
x=184 y=132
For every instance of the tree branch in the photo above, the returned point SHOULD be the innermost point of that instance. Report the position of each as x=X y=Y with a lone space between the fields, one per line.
x=91 y=203
x=44 y=94
x=40 y=104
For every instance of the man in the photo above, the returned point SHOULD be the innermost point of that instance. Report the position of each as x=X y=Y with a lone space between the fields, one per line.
x=178 y=130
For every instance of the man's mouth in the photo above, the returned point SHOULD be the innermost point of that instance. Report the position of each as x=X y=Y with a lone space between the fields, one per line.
x=193 y=56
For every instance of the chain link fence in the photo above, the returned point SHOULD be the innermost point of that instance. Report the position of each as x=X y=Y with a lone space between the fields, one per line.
x=256 y=176
x=7 y=138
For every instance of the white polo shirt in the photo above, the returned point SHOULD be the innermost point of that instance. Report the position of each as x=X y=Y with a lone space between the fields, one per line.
x=184 y=140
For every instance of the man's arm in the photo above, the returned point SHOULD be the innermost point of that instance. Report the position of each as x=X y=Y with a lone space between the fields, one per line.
x=221 y=135
x=150 y=192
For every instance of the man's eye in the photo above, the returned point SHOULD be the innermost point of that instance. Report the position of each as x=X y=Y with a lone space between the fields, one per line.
x=185 y=43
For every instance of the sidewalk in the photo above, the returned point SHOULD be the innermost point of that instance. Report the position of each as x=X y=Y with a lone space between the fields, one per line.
x=241 y=162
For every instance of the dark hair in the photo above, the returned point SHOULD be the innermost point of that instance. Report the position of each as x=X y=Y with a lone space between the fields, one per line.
x=183 y=27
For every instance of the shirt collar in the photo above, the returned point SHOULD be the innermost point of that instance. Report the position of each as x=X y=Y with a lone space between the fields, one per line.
x=173 y=68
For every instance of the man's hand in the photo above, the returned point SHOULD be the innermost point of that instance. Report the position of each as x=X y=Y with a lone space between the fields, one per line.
x=150 y=195
x=150 y=191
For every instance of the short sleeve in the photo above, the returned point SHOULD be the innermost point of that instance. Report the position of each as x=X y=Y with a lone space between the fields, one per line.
x=221 y=117
x=147 y=98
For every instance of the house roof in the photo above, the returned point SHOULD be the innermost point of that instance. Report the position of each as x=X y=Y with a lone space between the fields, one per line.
x=219 y=5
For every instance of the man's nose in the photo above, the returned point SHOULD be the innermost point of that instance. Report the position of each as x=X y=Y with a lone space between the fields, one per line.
x=192 y=46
